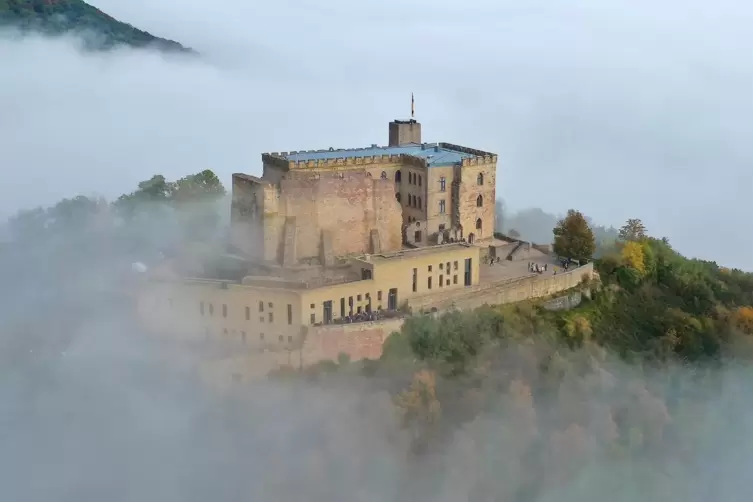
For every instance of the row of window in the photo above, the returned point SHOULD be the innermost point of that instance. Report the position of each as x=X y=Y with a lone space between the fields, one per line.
x=244 y=338
x=270 y=315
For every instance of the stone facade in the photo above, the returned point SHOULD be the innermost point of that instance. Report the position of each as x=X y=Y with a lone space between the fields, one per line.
x=329 y=203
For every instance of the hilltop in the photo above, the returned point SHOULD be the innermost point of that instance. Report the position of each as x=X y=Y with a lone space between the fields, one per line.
x=100 y=31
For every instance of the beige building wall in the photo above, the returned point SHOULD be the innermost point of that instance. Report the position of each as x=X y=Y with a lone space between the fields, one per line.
x=260 y=316
x=197 y=309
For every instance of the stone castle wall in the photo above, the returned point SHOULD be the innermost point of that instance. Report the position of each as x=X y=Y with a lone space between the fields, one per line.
x=366 y=340
x=508 y=291
x=347 y=207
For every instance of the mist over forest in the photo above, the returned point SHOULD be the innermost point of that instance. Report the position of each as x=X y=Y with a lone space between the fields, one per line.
x=116 y=161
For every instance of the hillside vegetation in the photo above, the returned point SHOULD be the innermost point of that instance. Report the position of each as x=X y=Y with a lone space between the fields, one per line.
x=99 y=30
x=643 y=380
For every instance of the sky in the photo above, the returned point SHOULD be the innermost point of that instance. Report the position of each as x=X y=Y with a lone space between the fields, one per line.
x=625 y=109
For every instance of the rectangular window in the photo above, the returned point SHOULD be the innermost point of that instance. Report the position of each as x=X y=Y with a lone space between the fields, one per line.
x=428 y=283
x=313 y=306
x=290 y=314
x=379 y=296
x=415 y=280
x=358 y=298
x=441 y=281
x=455 y=279
x=442 y=184
x=455 y=265
x=441 y=266
x=211 y=309
x=261 y=336
x=327 y=312
x=290 y=339
x=342 y=307
x=248 y=313
x=271 y=317
x=448 y=281
x=441 y=207
x=224 y=310
x=201 y=308
x=468 y=279
x=261 y=318
x=429 y=268
x=313 y=318
x=270 y=305
x=261 y=306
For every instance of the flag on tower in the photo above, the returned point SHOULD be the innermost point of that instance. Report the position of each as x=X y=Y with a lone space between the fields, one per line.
x=412 y=106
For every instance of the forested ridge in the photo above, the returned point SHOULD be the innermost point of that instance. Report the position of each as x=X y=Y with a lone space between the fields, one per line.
x=98 y=29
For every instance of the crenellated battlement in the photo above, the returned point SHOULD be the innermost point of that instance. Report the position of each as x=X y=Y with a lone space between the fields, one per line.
x=480 y=160
x=340 y=163
x=480 y=157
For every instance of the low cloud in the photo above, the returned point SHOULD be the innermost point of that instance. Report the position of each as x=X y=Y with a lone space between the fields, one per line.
x=626 y=110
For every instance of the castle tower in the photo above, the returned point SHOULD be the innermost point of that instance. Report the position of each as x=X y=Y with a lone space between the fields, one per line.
x=404 y=132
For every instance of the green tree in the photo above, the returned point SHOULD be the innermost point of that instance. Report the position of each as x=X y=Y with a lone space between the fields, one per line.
x=573 y=237
x=197 y=187
x=633 y=230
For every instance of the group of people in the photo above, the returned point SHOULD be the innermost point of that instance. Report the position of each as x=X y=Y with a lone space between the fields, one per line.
x=365 y=316
x=538 y=268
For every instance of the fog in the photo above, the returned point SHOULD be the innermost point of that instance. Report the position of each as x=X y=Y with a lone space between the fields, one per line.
x=621 y=110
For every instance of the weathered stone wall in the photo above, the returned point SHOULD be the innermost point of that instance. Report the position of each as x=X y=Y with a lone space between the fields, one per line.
x=348 y=206
x=509 y=291
x=466 y=208
x=358 y=341
x=246 y=214
x=564 y=302
x=322 y=343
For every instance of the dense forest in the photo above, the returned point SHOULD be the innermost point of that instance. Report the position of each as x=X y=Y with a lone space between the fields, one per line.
x=634 y=394
x=98 y=30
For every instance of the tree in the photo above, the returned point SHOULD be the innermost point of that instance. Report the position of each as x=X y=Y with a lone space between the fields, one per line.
x=573 y=238
x=197 y=187
x=633 y=230
x=633 y=257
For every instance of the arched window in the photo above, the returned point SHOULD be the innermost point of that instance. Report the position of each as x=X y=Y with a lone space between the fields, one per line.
x=478 y=224
x=419 y=203
x=479 y=201
x=384 y=175
x=480 y=179
x=397 y=196
x=419 y=180
x=367 y=174
x=398 y=176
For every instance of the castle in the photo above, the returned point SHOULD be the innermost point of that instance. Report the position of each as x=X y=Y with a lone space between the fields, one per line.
x=328 y=238
x=322 y=204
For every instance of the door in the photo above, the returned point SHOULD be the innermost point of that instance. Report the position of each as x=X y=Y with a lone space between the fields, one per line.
x=392 y=299
x=468 y=271
x=327 y=317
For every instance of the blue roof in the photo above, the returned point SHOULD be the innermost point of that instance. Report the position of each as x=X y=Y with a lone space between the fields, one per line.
x=434 y=155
